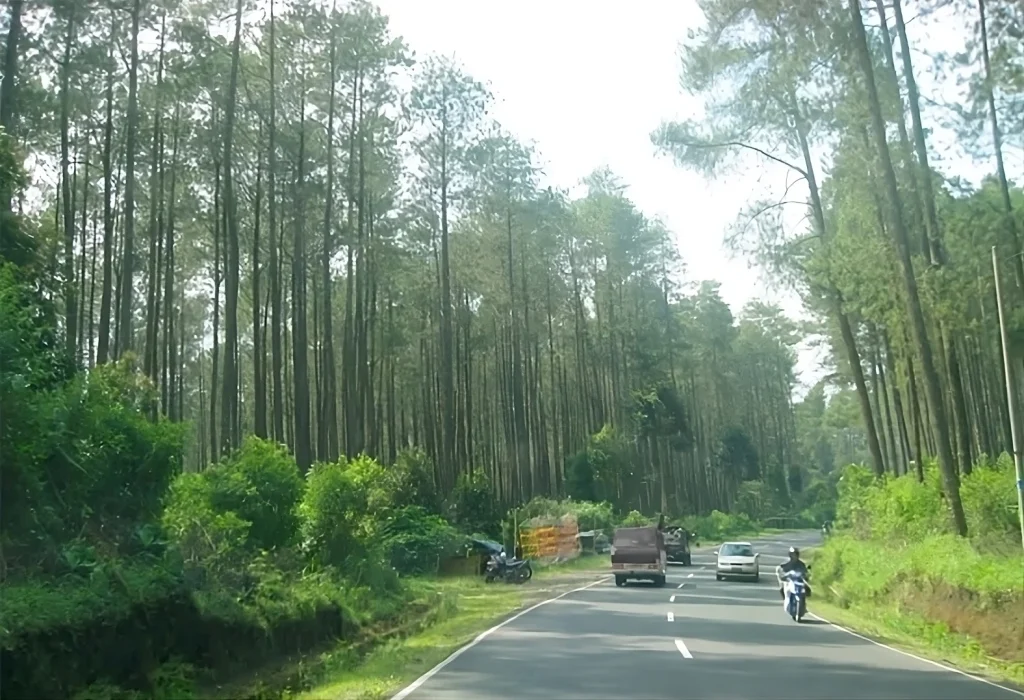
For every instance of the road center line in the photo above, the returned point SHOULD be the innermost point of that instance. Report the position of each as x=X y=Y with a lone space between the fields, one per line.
x=680 y=585
x=671 y=617
x=688 y=576
x=672 y=599
x=681 y=646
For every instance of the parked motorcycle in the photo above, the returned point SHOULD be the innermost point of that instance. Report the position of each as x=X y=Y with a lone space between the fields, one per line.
x=508 y=570
x=795 y=589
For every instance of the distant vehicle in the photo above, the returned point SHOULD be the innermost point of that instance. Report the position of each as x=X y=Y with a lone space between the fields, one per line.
x=737 y=559
x=677 y=544
x=639 y=553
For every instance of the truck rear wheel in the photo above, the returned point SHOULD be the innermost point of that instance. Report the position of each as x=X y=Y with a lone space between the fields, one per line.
x=620 y=580
x=686 y=559
x=659 y=581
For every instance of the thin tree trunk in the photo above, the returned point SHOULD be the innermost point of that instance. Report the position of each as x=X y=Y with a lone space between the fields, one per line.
x=230 y=409
x=277 y=354
x=300 y=358
x=125 y=331
x=70 y=292
x=997 y=142
x=103 y=344
x=940 y=425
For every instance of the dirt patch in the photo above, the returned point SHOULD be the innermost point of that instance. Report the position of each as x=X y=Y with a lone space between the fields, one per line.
x=998 y=627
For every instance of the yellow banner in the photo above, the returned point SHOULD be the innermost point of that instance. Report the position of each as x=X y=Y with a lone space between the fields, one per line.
x=559 y=541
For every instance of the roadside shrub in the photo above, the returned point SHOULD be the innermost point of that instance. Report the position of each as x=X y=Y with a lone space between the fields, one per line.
x=249 y=502
x=412 y=476
x=79 y=456
x=472 y=506
x=261 y=484
x=413 y=539
x=895 y=558
x=903 y=509
x=635 y=519
x=211 y=543
x=593 y=516
x=332 y=514
x=991 y=504
x=721 y=526
x=589 y=515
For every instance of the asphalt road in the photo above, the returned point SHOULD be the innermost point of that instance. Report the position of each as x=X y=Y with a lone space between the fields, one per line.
x=693 y=638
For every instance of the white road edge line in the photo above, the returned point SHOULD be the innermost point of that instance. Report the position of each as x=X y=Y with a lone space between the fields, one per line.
x=671 y=617
x=919 y=658
x=409 y=689
x=681 y=646
x=672 y=599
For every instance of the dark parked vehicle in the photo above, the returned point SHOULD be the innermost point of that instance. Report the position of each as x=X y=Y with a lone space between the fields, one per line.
x=508 y=570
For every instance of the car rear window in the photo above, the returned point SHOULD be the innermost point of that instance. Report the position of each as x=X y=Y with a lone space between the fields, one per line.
x=736 y=550
x=636 y=537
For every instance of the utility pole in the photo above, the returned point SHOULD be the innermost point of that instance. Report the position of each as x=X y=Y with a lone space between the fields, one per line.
x=1011 y=399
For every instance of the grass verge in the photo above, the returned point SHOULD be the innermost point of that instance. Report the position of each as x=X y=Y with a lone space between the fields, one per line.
x=445 y=614
x=937 y=598
x=928 y=639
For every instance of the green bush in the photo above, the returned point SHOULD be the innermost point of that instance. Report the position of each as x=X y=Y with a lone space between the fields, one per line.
x=721 y=526
x=635 y=519
x=412 y=479
x=333 y=513
x=903 y=509
x=218 y=519
x=78 y=452
x=261 y=484
x=413 y=539
x=990 y=503
x=589 y=515
x=212 y=543
x=472 y=506
x=895 y=557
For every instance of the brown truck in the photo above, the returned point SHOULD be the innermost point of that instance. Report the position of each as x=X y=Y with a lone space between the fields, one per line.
x=639 y=553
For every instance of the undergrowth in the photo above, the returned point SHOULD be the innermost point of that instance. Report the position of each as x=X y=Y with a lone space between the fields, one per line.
x=896 y=563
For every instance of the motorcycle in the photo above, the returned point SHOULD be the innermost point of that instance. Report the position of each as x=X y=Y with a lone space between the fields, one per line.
x=509 y=571
x=796 y=589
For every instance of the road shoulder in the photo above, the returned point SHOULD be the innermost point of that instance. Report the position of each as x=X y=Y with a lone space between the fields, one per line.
x=916 y=639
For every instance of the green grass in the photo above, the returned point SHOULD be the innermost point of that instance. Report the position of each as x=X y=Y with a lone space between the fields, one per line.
x=586 y=562
x=928 y=639
x=32 y=606
x=469 y=607
x=462 y=608
x=938 y=597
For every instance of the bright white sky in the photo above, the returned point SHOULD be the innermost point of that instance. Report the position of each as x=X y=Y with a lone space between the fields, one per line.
x=588 y=81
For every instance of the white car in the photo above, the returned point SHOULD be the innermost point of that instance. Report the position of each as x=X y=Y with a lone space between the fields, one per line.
x=737 y=559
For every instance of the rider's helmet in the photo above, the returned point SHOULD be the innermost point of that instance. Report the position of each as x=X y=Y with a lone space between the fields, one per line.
x=794 y=553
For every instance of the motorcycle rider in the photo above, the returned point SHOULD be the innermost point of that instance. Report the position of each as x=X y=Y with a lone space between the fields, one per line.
x=794 y=564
